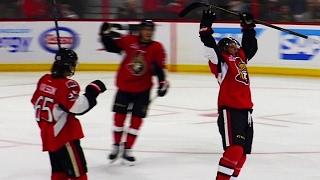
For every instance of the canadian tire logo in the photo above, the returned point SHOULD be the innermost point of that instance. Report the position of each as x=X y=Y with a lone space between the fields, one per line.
x=68 y=39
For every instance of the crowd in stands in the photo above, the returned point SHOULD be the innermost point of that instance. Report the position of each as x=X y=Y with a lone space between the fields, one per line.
x=39 y=9
x=268 y=10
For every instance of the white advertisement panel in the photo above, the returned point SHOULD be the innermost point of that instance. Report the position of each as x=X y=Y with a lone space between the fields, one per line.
x=276 y=48
x=36 y=42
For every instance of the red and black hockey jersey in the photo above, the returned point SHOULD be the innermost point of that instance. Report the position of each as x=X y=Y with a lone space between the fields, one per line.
x=56 y=101
x=136 y=70
x=231 y=71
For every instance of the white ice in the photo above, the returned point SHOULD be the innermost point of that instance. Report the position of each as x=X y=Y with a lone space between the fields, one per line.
x=179 y=140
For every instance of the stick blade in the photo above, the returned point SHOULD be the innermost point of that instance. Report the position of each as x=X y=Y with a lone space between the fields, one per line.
x=191 y=7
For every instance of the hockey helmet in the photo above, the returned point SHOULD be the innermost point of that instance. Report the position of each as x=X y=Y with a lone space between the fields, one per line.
x=224 y=43
x=65 y=63
x=147 y=23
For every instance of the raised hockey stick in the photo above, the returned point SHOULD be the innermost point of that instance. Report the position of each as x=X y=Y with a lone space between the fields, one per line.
x=56 y=17
x=196 y=5
x=191 y=7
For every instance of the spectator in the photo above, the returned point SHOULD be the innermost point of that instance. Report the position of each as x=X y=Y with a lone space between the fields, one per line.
x=174 y=7
x=3 y=10
x=237 y=6
x=270 y=10
x=298 y=8
x=76 y=6
x=312 y=13
x=285 y=14
x=35 y=8
x=128 y=10
x=152 y=9
x=66 y=12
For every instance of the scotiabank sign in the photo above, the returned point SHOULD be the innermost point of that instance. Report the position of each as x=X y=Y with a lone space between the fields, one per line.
x=68 y=39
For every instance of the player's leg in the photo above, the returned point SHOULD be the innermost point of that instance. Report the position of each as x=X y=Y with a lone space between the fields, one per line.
x=69 y=162
x=248 y=144
x=120 y=108
x=57 y=172
x=232 y=126
x=238 y=167
x=139 y=111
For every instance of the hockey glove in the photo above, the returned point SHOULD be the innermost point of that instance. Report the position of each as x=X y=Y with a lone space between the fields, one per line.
x=163 y=88
x=105 y=28
x=207 y=19
x=95 y=88
x=247 y=21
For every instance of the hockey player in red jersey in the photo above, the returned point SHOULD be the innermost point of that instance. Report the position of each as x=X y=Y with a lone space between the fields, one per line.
x=57 y=102
x=227 y=61
x=143 y=58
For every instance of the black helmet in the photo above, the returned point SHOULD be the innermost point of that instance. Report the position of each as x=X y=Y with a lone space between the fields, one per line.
x=224 y=43
x=65 y=63
x=147 y=23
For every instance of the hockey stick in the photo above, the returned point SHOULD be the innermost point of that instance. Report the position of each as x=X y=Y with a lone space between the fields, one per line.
x=196 y=5
x=191 y=7
x=55 y=17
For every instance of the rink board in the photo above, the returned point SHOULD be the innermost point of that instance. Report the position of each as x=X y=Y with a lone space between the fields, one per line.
x=30 y=46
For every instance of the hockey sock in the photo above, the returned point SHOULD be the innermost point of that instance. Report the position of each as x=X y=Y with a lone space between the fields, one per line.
x=118 y=127
x=82 y=177
x=133 y=131
x=229 y=161
x=59 y=176
x=238 y=167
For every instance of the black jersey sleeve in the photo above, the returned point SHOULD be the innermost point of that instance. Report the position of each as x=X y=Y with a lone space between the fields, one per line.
x=249 y=42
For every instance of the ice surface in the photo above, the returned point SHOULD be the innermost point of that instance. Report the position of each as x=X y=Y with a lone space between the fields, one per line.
x=179 y=140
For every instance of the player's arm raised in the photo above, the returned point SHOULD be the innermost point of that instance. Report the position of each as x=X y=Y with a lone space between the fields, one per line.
x=249 y=41
x=109 y=39
x=80 y=104
x=211 y=48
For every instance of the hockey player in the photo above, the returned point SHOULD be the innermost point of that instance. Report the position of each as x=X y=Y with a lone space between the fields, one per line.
x=227 y=61
x=143 y=57
x=57 y=102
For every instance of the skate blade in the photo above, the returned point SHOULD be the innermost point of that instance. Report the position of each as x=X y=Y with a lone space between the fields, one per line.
x=127 y=163
x=112 y=161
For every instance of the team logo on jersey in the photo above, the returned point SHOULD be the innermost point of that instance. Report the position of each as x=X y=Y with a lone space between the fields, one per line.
x=138 y=65
x=243 y=75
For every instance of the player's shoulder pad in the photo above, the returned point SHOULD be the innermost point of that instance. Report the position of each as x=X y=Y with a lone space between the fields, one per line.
x=43 y=78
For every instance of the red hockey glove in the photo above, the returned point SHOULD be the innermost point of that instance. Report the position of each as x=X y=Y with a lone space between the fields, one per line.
x=95 y=88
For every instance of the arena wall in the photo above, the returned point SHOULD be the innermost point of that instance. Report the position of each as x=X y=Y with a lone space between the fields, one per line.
x=30 y=46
